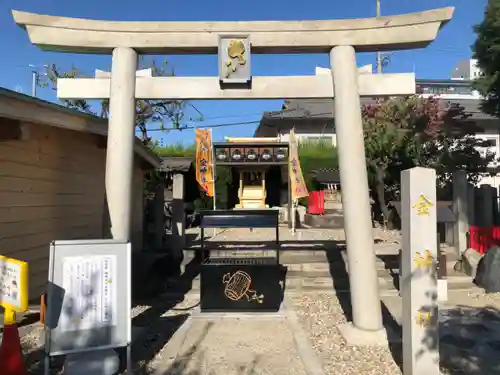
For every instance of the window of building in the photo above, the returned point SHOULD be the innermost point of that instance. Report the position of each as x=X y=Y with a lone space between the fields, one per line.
x=443 y=90
x=489 y=143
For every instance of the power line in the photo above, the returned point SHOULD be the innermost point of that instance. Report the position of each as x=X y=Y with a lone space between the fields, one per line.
x=288 y=110
x=167 y=130
x=233 y=116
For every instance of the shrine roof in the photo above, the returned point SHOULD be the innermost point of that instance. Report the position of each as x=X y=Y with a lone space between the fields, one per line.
x=175 y=164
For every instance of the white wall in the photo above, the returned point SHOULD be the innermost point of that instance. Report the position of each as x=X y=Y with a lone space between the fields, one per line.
x=466 y=70
x=284 y=137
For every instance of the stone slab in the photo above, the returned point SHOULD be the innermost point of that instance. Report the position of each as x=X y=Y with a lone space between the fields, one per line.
x=306 y=351
x=281 y=314
x=357 y=337
x=235 y=346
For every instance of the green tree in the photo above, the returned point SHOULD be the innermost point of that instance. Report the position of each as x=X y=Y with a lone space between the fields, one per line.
x=486 y=50
x=409 y=132
x=316 y=155
x=176 y=150
x=168 y=114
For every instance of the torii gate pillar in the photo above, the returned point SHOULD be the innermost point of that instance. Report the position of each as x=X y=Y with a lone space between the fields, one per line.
x=363 y=279
x=121 y=137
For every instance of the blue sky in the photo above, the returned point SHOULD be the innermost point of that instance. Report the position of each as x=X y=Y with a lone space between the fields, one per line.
x=453 y=44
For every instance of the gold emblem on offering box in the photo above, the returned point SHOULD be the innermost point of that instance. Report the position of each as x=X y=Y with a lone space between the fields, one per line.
x=423 y=318
x=422 y=206
x=238 y=285
x=424 y=260
x=236 y=51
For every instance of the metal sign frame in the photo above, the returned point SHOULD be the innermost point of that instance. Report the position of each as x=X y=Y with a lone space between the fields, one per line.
x=63 y=341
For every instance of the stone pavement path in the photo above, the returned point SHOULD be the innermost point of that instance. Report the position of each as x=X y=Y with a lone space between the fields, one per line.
x=239 y=344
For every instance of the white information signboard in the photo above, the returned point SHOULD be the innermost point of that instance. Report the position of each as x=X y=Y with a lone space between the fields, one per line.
x=89 y=296
x=90 y=299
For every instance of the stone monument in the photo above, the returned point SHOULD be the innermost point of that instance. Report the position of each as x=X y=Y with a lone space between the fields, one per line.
x=419 y=275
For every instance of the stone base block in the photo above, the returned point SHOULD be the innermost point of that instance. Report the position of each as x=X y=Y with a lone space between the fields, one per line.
x=442 y=290
x=470 y=262
x=329 y=221
x=358 y=337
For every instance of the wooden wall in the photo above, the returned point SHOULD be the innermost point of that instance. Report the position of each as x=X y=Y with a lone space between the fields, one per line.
x=52 y=188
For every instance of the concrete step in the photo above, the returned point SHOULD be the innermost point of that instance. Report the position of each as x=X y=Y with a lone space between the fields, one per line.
x=325 y=266
x=292 y=256
x=323 y=281
x=295 y=285
x=317 y=261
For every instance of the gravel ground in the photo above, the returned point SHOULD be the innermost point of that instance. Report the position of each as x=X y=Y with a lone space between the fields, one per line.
x=320 y=314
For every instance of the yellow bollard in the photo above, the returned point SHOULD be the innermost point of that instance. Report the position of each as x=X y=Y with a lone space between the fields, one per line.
x=9 y=317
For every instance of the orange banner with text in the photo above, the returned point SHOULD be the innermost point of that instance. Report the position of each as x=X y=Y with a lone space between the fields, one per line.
x=297 y=183
x=204 y=162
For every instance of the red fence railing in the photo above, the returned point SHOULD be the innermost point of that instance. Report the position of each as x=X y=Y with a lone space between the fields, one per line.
x=316 y=203
x=483 y=238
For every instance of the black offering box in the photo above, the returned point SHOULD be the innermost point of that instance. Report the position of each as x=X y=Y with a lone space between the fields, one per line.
x=241 y=285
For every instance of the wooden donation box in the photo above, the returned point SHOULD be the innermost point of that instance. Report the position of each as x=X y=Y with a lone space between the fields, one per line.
x=240 y=284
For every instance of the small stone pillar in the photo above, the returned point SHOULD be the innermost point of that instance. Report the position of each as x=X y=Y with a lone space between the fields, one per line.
x=486 y=194
x=460 y=210
x=178 y=215
x=159 y=208
x=471 y=204
x=418 y=272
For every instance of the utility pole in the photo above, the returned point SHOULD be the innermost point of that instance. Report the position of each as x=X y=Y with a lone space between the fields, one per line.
x=35 y=78
x=34 y=82
x=379 y=55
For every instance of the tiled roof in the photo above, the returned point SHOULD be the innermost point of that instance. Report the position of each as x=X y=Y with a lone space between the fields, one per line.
x=174 y=164
x=323 y=108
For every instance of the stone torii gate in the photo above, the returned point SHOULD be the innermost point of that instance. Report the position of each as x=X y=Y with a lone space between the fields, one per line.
x=340 y=38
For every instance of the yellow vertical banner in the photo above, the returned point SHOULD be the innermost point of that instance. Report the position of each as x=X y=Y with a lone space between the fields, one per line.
x=204 y=162
x=297 y=183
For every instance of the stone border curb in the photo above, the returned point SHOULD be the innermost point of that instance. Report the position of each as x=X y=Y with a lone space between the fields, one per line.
x=307 y=353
